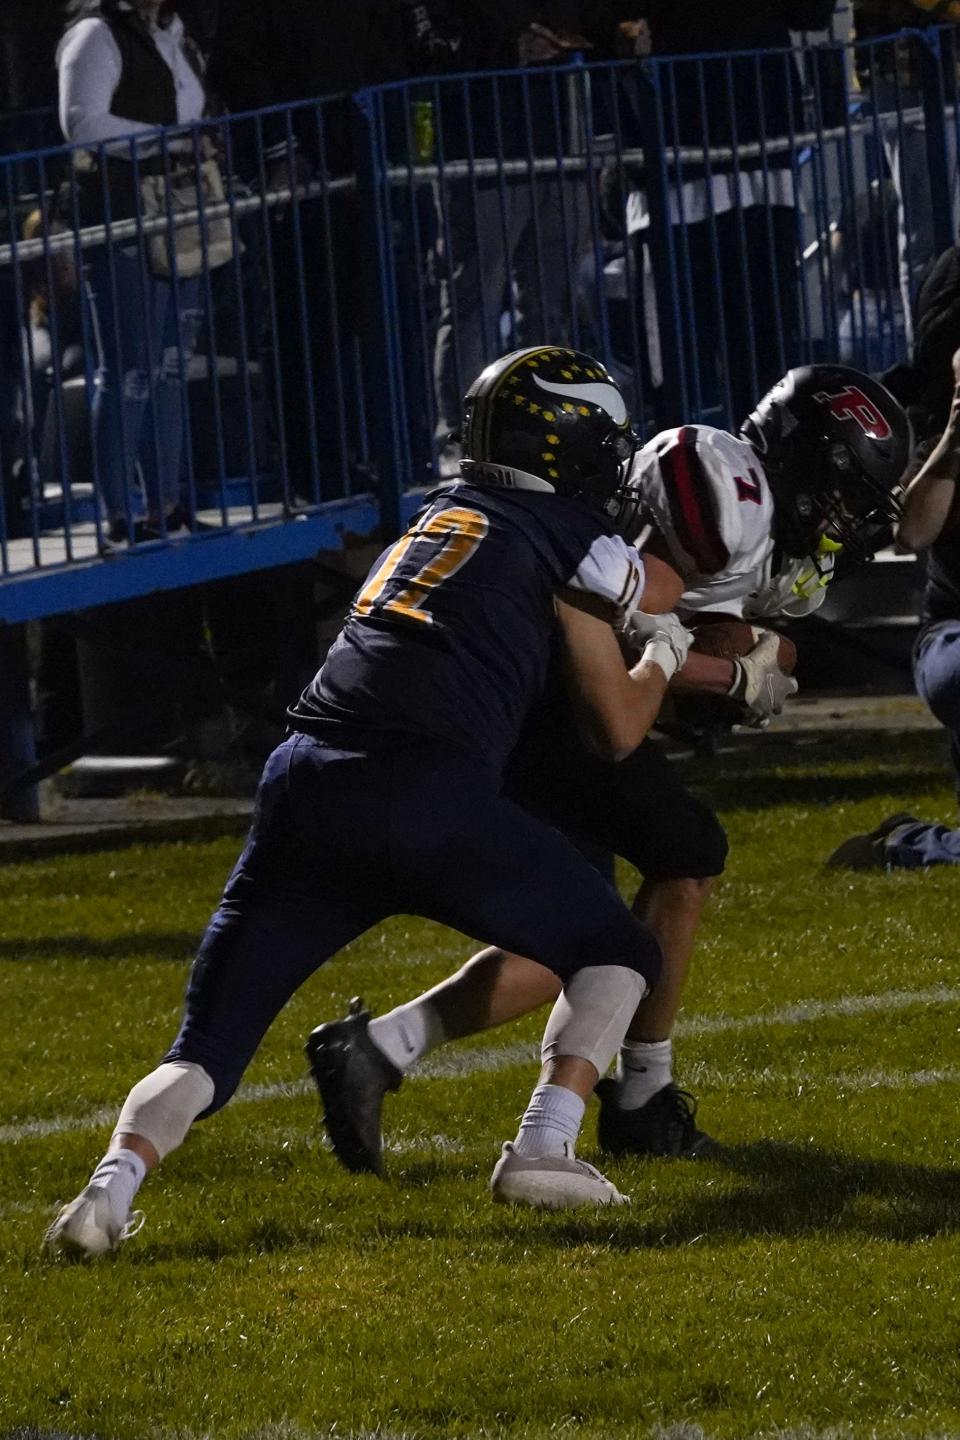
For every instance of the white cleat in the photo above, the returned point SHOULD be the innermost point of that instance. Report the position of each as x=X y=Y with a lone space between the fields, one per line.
x=551 y=1182
x=88 y=1226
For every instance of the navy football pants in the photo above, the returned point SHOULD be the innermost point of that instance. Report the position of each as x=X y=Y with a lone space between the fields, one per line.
x=340 y=841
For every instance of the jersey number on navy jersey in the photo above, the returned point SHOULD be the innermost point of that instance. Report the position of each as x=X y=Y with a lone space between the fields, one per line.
x=439 y=545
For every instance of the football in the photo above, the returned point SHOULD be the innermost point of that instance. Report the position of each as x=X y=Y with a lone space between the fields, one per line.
x=728 y=638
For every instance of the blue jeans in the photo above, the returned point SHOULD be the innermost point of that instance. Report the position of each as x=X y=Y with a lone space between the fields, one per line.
x=936 y=673
x=146 y=330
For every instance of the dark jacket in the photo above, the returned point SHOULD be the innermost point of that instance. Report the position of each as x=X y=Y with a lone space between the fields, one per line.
x=732 y=102
x=747 y=98
x=497 y=118
x=883 y=17
x=936 y=337
x=900 y=62
x=301 y=50
x=688 y=26
x=444 y=37
x=926 y=387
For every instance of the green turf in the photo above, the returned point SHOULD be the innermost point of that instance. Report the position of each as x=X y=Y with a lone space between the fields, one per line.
x=805 y=1286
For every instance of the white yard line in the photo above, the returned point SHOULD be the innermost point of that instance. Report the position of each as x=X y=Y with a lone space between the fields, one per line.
x=805 y=1010
x=452 y=1064
x=58 y=1125
x=455 y=1064
x=892 y=1079
x=845 y=1082
x=682 y=1430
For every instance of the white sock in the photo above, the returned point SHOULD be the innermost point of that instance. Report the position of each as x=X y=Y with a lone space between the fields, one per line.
x=121 y=1173
x=642 y=1070
x=550 y=1122
x=409 y=1032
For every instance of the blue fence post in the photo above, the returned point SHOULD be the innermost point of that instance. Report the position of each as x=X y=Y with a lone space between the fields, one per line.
x=18 y=746
x=381 y=324
x=663 y=257
x=934 y=110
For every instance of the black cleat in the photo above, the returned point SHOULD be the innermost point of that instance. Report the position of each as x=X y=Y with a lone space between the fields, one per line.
x=664 y=1126
x=352 y=1076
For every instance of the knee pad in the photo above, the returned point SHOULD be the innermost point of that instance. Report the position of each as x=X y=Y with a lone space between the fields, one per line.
x=163 y=1105
x=591 y=1017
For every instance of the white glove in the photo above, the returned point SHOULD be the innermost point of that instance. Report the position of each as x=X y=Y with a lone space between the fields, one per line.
x=665 y=640
x=759 y=684
x=637 y=627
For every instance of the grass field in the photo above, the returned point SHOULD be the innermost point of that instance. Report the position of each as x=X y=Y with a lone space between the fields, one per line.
x=804 y=1286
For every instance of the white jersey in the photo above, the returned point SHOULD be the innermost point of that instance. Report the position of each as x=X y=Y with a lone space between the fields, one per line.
x=707 y=495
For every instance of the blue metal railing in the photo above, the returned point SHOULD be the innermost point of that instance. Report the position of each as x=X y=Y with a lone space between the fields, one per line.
x=139 y=408
x=703 y=222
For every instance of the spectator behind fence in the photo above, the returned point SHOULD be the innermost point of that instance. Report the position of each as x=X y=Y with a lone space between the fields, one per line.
x=124 y=70
x=733 y=222
x=891 y=73
x=514 y=243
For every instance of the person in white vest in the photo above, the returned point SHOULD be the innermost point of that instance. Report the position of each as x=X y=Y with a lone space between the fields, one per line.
x=125 y=70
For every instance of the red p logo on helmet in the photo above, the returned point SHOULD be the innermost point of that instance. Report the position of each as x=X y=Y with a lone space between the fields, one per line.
x=852 y=404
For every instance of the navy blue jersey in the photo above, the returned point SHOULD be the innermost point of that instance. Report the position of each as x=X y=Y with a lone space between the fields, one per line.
x=450 y=634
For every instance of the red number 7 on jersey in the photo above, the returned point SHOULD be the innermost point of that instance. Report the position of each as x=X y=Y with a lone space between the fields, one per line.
x=749 y=489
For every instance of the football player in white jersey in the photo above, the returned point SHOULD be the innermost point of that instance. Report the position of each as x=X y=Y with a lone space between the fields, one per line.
x=745 y=526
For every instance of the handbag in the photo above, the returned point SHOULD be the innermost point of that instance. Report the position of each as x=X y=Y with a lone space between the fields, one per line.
x=179 y=248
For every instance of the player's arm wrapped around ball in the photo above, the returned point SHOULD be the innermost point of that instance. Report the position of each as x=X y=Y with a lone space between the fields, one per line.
x=759 y=685
x=664 y=639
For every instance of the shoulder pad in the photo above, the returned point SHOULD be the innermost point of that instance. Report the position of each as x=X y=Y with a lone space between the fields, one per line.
x=695 y=479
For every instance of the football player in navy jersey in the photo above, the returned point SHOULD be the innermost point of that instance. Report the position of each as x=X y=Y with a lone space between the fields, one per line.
x=742 y=526
x=386 y=796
